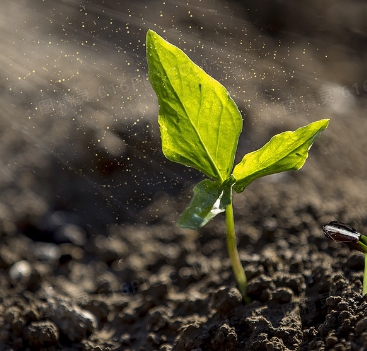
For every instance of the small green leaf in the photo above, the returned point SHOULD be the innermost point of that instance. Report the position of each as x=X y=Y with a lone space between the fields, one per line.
x=210 y=198
x=284 y=152
x=199 y=122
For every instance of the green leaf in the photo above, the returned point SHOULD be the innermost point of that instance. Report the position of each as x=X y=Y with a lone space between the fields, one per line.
x=210 y=198
x=284 y=152
x=199 y=122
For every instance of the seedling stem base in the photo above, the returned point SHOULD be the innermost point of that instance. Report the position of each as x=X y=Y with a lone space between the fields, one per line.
x=238 y=271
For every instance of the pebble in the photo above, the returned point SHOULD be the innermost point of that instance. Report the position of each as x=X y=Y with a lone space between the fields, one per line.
x=20 y=271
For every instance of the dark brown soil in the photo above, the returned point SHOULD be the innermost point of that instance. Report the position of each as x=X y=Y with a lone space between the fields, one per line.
x=157 y=287
x=90 y=255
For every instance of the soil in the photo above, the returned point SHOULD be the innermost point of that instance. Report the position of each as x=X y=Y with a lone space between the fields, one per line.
x=83 y=267
x=157 y=287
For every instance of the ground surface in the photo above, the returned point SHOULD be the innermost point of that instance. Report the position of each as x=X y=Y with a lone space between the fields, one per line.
x=90 y=256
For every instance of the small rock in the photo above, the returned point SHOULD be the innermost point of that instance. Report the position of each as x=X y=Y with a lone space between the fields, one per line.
x=42 y=334
x=20 y=271
x=270 y=224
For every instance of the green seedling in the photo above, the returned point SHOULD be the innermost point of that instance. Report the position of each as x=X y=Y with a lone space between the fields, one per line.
x=200 y=125
x=343 y=233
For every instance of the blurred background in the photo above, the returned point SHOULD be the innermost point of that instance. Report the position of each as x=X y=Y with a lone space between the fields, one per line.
x=79 y=137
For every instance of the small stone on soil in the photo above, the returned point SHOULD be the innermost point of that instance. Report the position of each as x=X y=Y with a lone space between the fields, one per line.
x=20 y=271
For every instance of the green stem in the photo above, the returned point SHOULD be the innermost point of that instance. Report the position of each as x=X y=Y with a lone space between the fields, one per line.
x=238 y=271
x=365 y=275
x=363 y=239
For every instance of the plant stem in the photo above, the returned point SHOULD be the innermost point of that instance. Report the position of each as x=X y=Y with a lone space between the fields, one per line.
x=238 y=271
x=365 y=275
x=362 y=243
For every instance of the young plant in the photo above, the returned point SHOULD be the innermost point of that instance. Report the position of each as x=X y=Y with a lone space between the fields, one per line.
x=200 y=125
x=343 y=233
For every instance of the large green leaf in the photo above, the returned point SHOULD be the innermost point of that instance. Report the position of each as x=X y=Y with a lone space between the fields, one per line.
x=284 y=152
x=210 y=198
x=199 y=122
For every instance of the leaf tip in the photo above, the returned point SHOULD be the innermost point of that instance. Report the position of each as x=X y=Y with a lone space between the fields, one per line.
x=151 y=38
x=150 y=33
x=324 y=122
